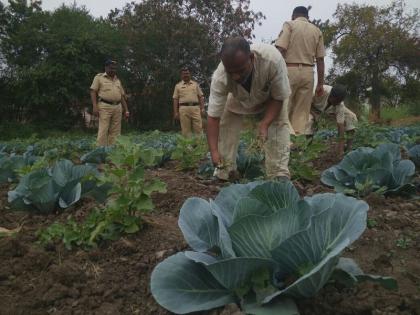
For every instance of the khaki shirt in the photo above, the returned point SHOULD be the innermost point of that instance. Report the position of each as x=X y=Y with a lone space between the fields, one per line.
x=302 y=40
x=109 y=89
x=187 y=92
x=269 y=81
x=320 y=103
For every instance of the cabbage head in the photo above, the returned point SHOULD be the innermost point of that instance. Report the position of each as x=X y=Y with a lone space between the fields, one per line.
x=414 y=154
x=259 y=245
x=62 y=185
x=367 y=170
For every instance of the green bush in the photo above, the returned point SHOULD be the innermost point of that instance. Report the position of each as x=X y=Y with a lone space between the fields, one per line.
x=130 y=198
x=395 y=113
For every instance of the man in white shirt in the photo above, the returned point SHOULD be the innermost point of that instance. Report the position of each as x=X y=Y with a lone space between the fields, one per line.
x=250 y=80
x=331 y=103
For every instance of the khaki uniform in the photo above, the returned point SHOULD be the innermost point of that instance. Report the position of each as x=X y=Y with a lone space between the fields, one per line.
x=188 y=95
x=110 y=90
x=231 y=102
x=342 y=114
x=304 y=43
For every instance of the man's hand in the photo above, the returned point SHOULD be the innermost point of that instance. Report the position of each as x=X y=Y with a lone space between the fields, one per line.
x=319 y=91
x=95 y=110
x=263 y=131
x=203 y=112
x=176 y=116
x=215 y=157
x=127 y=115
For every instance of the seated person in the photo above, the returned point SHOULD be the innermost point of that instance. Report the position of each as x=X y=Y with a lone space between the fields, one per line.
x=331 y=103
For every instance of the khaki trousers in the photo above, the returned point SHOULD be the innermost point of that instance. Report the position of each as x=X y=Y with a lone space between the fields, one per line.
x=190 y=119
x=276 y=148
x=302 y=84
x=109 y=124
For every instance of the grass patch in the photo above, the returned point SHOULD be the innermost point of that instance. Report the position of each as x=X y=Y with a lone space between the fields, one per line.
x=395 y=113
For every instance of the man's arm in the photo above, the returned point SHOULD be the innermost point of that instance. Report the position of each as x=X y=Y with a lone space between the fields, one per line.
x=125 y=107
x=320 y=68
x=94 y=98
x=176 y=108
x=217 y=102
x=201 y=98
x=213 y=126
x=282 y=42
x=271 y=113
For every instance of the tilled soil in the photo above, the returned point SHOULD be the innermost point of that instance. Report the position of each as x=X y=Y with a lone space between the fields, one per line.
x=114 y=278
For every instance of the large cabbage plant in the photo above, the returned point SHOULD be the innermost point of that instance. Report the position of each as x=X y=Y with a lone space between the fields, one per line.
x=96 y=156
x=367 y=170
x=61 y=186
x=259 y=245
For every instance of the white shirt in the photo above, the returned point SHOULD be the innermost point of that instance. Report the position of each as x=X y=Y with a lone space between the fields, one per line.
x=320 y=103
x=269 y=80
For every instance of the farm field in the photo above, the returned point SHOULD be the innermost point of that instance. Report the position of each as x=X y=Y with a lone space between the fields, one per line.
x=65 y=272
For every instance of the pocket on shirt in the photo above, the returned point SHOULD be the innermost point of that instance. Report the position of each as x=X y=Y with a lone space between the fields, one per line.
x=262 y=95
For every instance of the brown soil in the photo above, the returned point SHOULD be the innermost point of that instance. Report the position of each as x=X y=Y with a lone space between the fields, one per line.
x=114 y=278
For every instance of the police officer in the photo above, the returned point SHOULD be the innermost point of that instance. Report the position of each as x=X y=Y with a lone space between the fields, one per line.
x=108 y=100
x=188 y=104
x=331 y=103
x=250 y=81
x=301 y=44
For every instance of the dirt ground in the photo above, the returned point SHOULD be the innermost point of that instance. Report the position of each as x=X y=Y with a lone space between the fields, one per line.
x=114 y=278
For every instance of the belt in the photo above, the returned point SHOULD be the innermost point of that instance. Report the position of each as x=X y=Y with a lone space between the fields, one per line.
x=109 y=102
x=188 y=104
x=298 y=65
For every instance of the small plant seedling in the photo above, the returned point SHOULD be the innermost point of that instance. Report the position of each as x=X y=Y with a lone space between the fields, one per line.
x=404 y=242
x=371 y=223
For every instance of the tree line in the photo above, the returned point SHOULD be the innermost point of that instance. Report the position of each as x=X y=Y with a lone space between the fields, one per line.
x=48 y=59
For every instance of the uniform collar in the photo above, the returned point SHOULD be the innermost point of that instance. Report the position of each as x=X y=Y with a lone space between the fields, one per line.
x=186 y=83
x=301 y=18
x=107 y=76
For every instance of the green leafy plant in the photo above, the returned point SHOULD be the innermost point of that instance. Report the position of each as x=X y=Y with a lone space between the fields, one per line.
x=189 y=151
x=47 y=160
x=57 y=187
x=249 y=160
x=10 y=164
x=372 y=223
x=259 y=245
x=302 y=155
x=163 y=142
x=367 y=135
x=414 y=154
x=404 y=242
x=96 y=156
x=367 y=170
x=130 y=197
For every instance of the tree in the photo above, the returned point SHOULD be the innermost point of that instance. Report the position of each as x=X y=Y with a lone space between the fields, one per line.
x=163 y=36
x=374 y=44
x=51 y=58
